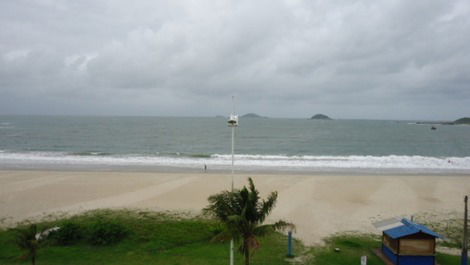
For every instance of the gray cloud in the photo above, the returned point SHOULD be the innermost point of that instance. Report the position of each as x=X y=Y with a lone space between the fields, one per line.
x=288 y=58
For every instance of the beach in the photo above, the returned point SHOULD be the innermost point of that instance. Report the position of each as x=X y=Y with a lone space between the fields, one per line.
x=318 y=204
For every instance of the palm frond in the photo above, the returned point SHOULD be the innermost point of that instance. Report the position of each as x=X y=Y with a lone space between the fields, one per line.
x=267 y=206
x=283 y=225
x=271 y=228
x=243 y=213
x=264 y=230
x=223 y=236
x=222 y=205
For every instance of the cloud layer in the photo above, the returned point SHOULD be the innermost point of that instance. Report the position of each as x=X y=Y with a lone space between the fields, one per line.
x=286 y=58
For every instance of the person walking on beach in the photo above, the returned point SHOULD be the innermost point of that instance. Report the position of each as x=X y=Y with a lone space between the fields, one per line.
x=205 y=167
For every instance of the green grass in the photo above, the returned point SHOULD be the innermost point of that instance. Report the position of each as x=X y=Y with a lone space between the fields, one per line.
x=172 y=239
x=154 y=238
x=353 y=246
x=445 y=259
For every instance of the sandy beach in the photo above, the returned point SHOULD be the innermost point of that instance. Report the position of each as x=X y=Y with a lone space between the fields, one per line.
x=318 y=205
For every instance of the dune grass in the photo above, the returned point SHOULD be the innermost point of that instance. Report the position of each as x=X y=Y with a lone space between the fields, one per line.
x=151 y=238
x=450 y=226
x=172 y=239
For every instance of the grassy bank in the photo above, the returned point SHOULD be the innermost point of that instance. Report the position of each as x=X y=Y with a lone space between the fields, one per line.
x=142 y=238
x=353 y=246
x=137 y=237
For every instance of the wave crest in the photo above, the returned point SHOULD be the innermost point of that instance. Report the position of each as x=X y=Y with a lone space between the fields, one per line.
x=244 y=161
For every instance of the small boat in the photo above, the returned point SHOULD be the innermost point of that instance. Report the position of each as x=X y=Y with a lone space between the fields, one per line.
x=433 y=128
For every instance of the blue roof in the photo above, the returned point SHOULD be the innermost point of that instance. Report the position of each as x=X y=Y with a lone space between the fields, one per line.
x=409 y=228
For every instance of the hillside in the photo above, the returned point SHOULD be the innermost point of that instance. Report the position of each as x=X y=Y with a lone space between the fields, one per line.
x=320 y=117
x=252 y=115
x=465 y=120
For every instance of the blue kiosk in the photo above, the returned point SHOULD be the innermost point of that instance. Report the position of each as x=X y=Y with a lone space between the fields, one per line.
x=410 y=244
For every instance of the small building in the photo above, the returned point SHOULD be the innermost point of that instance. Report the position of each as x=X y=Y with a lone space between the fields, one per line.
x=410 y=244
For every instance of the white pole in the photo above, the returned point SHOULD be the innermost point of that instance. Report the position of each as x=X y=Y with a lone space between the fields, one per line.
x=233 y=159
x=464 y=256
x=233 y=155
x=233 y=162
x=231 y=252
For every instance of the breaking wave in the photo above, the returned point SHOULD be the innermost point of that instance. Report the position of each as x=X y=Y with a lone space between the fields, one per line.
x=243 y=162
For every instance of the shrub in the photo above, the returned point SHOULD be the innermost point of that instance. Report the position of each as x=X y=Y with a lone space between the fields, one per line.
x=106 y=233
x=68 y=234
x=216 y=229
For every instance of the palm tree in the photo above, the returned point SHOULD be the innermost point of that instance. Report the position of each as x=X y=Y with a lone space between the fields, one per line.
x=243 y=213
x=30 y=239
x=27 y=239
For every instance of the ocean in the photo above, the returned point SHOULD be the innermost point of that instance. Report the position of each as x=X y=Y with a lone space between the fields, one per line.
x=274 y=144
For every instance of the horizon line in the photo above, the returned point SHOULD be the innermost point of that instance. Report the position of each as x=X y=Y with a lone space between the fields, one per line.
x=216 y=116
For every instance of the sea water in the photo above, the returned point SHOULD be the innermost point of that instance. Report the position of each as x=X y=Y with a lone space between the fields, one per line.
x=272 y=144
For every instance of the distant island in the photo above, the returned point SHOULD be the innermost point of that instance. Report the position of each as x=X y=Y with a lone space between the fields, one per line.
x=253 y=115
x=320 y=117
x=465 y=120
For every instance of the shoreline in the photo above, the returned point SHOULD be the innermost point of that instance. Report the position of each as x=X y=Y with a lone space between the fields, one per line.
x=319 y=204
x=238 y=170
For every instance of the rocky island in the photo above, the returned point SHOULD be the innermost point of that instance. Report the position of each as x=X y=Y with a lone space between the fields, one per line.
x=461 y=121
x=465 y=120
x=253 y=115
x=320 y=117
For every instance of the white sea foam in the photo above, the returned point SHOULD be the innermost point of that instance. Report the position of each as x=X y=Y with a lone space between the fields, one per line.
x=5 y=125
x=365 y=162
x=248 y=162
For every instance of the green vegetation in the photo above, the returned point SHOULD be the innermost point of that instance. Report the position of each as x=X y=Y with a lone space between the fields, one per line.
x=243 y=214
x=445 y=259
x=463 y=121
x=320 y=117
x=353 y=246
x=170 y=239
x=105 y=233
x=68 y=234
x=26 y=240
x=253 y=115
x=150 y=238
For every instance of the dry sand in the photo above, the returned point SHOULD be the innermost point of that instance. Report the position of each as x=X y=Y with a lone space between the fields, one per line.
x=319 y=205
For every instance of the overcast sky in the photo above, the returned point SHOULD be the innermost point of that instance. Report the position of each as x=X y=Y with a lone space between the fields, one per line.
x=396 y=59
